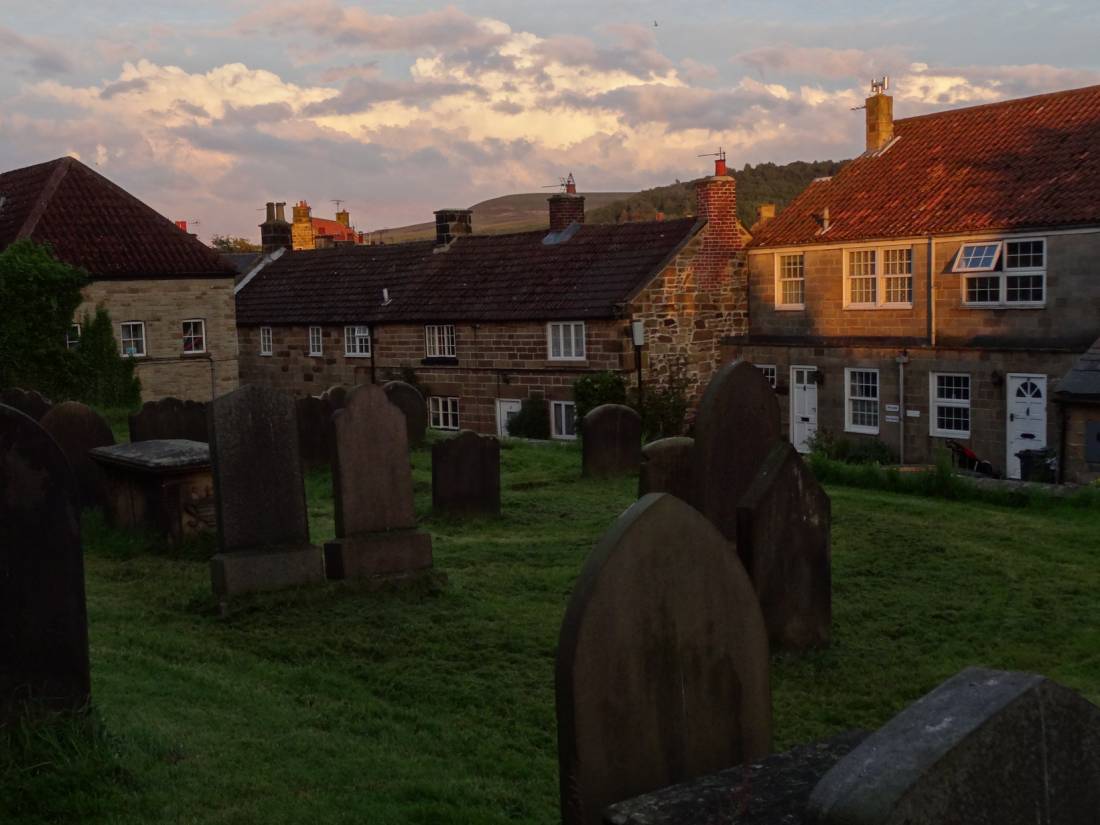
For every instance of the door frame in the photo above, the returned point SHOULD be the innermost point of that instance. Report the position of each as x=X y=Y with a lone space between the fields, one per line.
x=791 y=416
x=502 y=431
x=1008 y=401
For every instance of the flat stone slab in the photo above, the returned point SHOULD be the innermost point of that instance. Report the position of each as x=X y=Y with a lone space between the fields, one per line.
x=378 y=554
x=165 y=455
x=770 y=792
x=274 y=568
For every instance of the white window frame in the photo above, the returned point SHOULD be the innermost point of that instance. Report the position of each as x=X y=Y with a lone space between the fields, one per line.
x=561 y=327
x=770 y=376
x=959 y=256
x=849 y=425
x=779 y=280
x=354 y=336
x=934 y=402
x=439 y=341
x=202 y=333
x=267 y=346
x=123 y=338
x=879 y=276
x=554 y=432
x=441 y=409
x=73 y=341
x=1025 y=271
x=316 y=342
x=1001 y=275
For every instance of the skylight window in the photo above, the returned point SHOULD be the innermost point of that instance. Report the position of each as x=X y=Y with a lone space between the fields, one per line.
x=978 y=257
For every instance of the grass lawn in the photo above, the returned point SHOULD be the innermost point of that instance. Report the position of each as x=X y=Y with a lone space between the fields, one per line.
x=341 y=704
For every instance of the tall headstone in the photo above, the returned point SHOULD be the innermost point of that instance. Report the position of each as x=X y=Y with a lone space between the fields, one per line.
x=30 y=402
x=666 y=467
x=43 y=618
x=373 y=492
x=412 y=404
x=77 y=429
x=315 y=432
x=169 y=419
x=662 y=668
x=263 y=525
x=466 y=475
x=611 y=441
x=986 y=747
x=336 y=395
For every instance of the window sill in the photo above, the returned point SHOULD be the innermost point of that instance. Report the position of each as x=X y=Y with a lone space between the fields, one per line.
x=445 y=429
x=877 y=306
x=1003 y=305
x=316 y=355
x=550 y=360
x=946 y=434
x=790 y=307
x=266 y=354
x=357 y=355
x=440 y=360
x=563 y=437
x=194 y=353
x=851 y=428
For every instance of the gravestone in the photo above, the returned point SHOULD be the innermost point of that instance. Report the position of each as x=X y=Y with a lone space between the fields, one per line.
x=315 y=432
x=263 y=526
x=666 y=467
x=783 y=538
x=169 y=419
x=30 y=402
x=412 y=404
x=662 y=667
x=373 y=492
x=466 y=475
x=77 y=429
x=986 y=747
x=43 y=619
x=611 y=441
x=336 y=396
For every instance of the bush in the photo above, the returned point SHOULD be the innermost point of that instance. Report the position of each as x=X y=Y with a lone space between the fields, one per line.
x=593 y=390
x=851 y=450
x=532 y=420
x=103 y=377
x=664 y=408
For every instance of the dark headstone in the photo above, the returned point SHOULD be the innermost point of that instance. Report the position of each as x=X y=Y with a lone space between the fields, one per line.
x=409 y=400
x=466 y=475
x=662 y=668
x=611 y=441
x=666 y=467
x=336 y=396
x=43 y=619
x=78 y=428
x=984 y=748
x=30 y=402
x=315 y=432
x=736 y=427
x=783 y=538
x=169 y=418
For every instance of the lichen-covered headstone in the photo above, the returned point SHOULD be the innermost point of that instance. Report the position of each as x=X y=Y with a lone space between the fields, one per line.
x=466 y=475
x=43 y=619
x=315 y=432
x=662 y=668
x=30 y=402
x=611 y=441
x=77 y=429
x=666 y=467
x=409 y=400
x=169 y=418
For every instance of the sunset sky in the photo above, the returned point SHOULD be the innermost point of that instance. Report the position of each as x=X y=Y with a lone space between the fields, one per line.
x=208 y=109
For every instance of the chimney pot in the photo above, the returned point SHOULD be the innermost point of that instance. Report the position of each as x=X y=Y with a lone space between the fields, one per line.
x=566 y=207
x=275 y=231
x=270 y=211
x=720 y=170
x=280 y=213
x=182 y=225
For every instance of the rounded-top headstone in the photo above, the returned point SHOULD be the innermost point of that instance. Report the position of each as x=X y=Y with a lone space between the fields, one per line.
x=315 y=433
x=611 y=441
x=77 y=428
x=43 y=619
x=662 y=668
x=29 y=402
x=169 y=418
x=666 y=467
x=466 y=474
x=411 y=402
x=736 y=427
x=336 y=396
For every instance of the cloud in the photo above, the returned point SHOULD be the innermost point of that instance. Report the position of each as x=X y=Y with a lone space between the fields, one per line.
x=44 y=57
x=137 y=84
x=821 y=62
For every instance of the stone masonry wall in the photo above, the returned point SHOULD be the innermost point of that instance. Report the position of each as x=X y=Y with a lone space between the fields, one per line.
x=1077 y=470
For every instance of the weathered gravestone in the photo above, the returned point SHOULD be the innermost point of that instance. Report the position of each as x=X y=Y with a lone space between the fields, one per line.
x=984 y=748
x=336 y=396
x=263 y=527
x=77 y=429
x=315 y=432
x=666 y=467
x=169 y=418
x=466 y=475
x=30 y=402
x=662 y=668
x=43 y=620
x=373 y=492
x=409 y=400
x=611 y=441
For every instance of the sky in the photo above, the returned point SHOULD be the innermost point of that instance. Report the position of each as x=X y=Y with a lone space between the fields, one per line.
x=207 y=109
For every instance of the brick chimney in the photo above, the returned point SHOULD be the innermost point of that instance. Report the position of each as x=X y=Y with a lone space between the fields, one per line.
x=764 y=213
x=181 y=225
x=303 y=226
x=880 y=116
x=716 y=202
x=566 y=207
x=451 y=223
x=343 y=218
x=275 y=232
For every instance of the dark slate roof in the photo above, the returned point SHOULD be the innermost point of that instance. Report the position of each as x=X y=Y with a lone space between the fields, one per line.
x=1015 y=165
x=477 y=278
x=1083 y=380
x=92 y=223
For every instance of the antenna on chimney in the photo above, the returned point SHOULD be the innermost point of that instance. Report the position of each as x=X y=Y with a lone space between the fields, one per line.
x=719 y=161
x=337 y=201
x=880 y=86
x=566 y=184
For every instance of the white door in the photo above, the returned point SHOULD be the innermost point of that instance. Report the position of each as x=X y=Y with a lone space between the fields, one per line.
x=1027 y=417
x=803 y=406
x=506 y=411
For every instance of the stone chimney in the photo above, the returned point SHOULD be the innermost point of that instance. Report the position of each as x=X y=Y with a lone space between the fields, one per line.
x=275 y=232
x=880 y=116
x=343 y=218
x=566 y=207
x=764 y=213
x=303 y=226
x=451 y=223
x=716 y=203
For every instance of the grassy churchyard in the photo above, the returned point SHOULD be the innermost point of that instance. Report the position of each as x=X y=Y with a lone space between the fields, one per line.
x=342 y=704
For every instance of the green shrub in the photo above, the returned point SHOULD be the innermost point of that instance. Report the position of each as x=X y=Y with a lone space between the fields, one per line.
x=664 y=408
x=852 y=450
x=593 y=390
x=103 y=377
x=532 y=420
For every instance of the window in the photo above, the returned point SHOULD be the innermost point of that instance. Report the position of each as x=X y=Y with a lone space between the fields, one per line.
x=879 y=278
x=356 y=341
x=861 y=401
x=897 y=275
x=439 y=341
x=862 y=278
x=265 y=341
x=1025 y=271
x=564 y=419
x=950 y=402
x=790 y=287
x=1020 y=281
x=72 y=337
x=133 y=339
x=194 y=336
x=565 y=342
x=444 y=412
x=315 y=345
x=978 y=257
x=769 y=372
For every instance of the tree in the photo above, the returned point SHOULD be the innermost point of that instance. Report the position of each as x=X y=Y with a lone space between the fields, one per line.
x=103 y=377
x=232 y=243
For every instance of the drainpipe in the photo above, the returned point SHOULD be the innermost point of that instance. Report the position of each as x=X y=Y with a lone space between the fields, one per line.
x=931 y=292
x=902 y=360
x=1061 y=441
x=373 y=350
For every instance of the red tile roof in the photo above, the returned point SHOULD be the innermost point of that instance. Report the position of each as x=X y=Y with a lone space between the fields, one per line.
x=92 y=223
x=1016 y=165
x=335 y=229
x=477 y=278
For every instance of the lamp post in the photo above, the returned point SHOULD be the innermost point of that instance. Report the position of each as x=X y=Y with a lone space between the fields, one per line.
x=637 y=333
